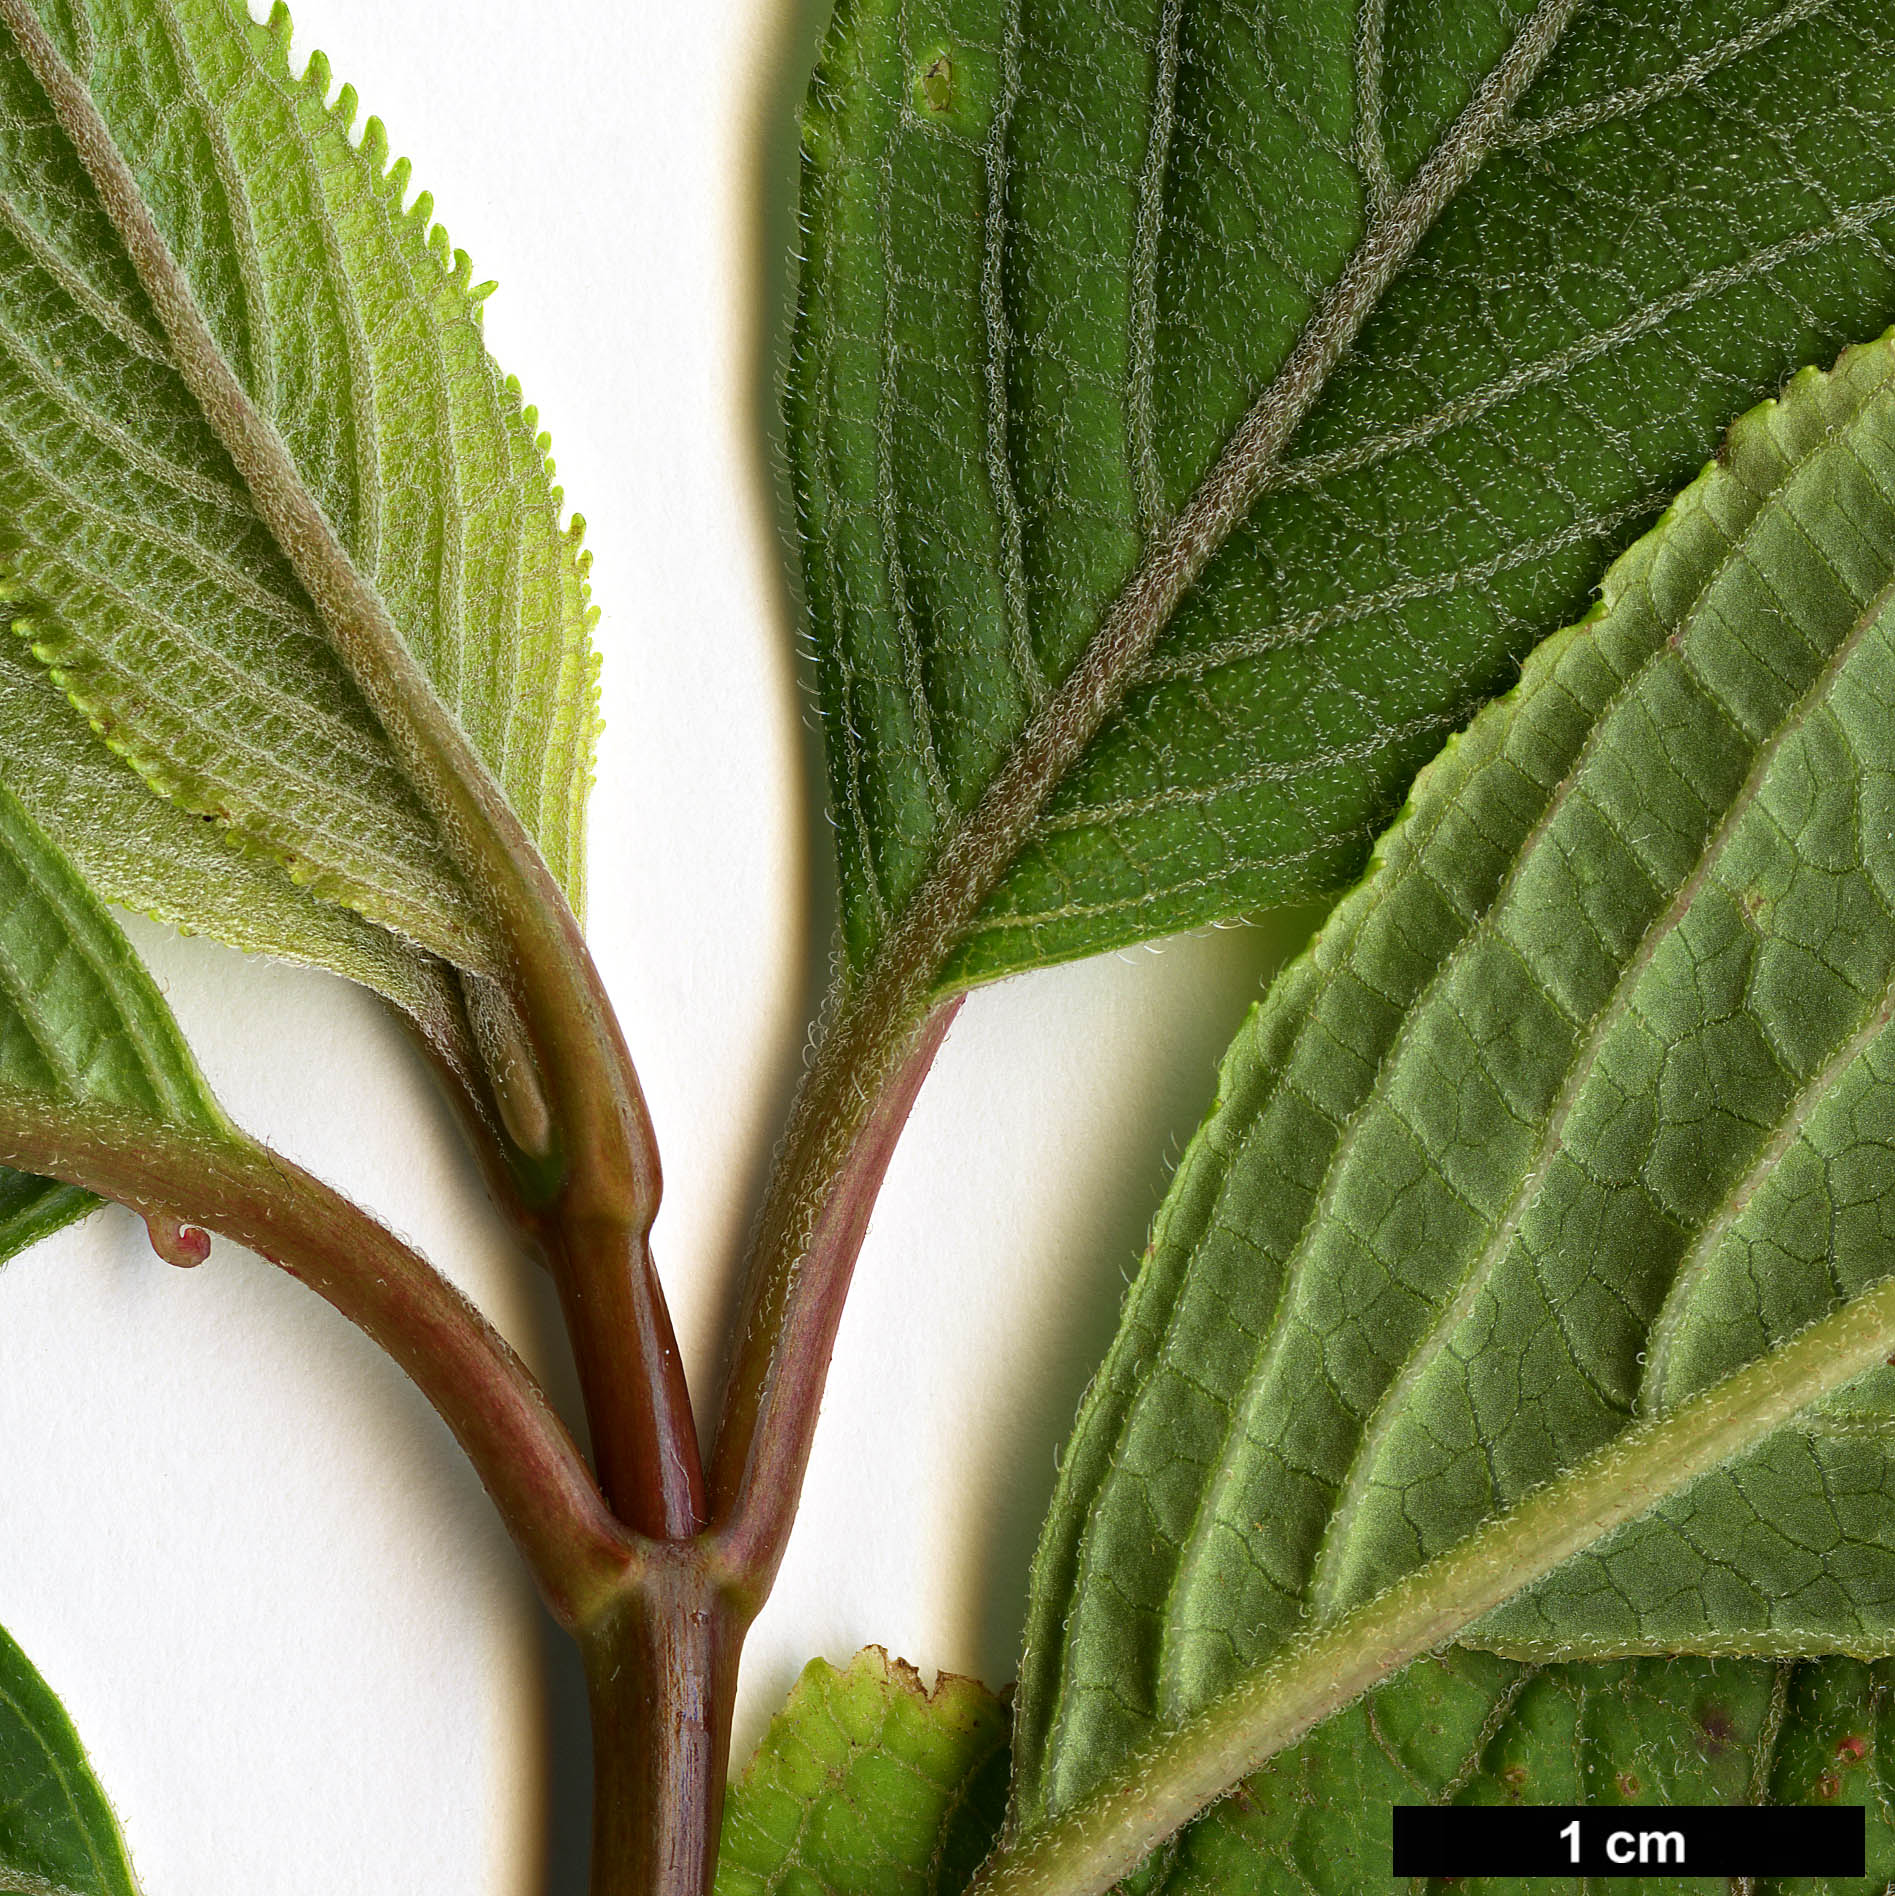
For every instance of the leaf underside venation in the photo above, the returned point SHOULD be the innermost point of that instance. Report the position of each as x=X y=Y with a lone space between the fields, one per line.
x=1053 y=256
x=1582 y=1102
x=152 y=635
x=837 y=1804
x=137 y=569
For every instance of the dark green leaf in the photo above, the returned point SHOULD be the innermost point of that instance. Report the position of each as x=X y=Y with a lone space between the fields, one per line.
x=58 y=1836
x=1055 y=255
x=79 y=1020
x=1469 y=1729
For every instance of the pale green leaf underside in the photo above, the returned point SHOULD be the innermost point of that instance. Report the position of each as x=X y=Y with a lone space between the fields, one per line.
x=140 y=571
x=831 y=1802
x=868 y=1785
x=1583 y=1101
x=58 y=1836
x=148 y=853
x=1054 y=255
x=1472 y=1729
x=79 y=1020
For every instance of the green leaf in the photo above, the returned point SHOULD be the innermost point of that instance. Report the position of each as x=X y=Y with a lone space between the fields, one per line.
x=831 y=1802
x=80 y=1020
x=1300 y=367
x=1468 y=1729
x=58 y=1836
x=868 y=1785
x=1537 y=1245
x=148 y=853
x=138 y=568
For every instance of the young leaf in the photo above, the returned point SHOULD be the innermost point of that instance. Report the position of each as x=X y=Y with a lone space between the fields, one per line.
x=58 y=1836
x=148 y=853
x=868 y=1785
x=139 y=567
x=79 y=1020
x=1299 y=370
x=1540 y=1227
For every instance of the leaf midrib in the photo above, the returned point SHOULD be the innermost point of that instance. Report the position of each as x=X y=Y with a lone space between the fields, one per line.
x=1087 y=1846
x=507 y=882
x=1311 y=469
x=1693 y=72
x=977 y=852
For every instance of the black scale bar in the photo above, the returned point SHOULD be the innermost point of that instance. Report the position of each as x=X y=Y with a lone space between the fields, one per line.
x=1629 y=1840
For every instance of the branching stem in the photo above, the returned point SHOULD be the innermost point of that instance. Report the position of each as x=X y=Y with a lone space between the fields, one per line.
x=656 y=1576
x=597 y=1178
x=582 y=1559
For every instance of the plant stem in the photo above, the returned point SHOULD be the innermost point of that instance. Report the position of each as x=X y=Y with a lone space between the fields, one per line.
x=843 y=1129
x=793 y=1297
x=591 y=1160
x=581 y=1558
x=661 y=1681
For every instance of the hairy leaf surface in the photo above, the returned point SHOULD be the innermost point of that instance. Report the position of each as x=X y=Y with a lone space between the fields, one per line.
x=1577 y=1117
x=79 y=1020
x=58 y=1836
x=1538 y=258
x=868 y=1785
x=148 y=853
x=1471 y=1729
x=138 y=568
x=1461 y=1728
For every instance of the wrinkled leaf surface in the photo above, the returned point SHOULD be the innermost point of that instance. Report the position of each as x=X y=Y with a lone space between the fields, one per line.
x=866 y=1784
x=137 y=568
x=1054 y=255
x=1583 y=1103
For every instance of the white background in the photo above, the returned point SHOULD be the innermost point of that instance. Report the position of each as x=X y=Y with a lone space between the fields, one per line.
x=288 y=1627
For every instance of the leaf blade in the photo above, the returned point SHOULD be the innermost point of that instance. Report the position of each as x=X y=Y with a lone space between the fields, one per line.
x=1202 y=795
x=867 y=1783
x=58 y=1836
x=346 y=319
x=1462 y=1729
x=1403 y=1285
x=80 y=1021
